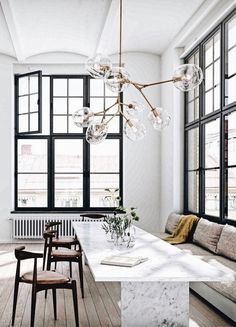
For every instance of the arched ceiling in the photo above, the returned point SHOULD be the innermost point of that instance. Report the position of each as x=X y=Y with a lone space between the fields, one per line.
x=32 y=27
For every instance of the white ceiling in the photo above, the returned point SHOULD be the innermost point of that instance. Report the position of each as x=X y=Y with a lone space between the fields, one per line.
x=32 y=27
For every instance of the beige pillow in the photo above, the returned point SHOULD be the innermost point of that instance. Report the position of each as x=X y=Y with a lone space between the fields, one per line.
x=172 y=222
x=227 y=242
x=207 y=234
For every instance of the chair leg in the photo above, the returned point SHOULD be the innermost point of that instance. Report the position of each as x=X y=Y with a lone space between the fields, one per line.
x=15 y=301
x=54 y=297
x=81 y=276
x=33 y=305
x=75 y=301
x=44 y=253
x=70 y=263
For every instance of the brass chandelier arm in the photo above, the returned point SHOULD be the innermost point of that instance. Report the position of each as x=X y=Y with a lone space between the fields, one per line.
x=144 y=96
x=142 y=86
x=107 y=109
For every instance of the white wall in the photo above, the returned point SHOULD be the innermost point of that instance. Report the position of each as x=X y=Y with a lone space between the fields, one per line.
x=172 y=140
x=141 y=159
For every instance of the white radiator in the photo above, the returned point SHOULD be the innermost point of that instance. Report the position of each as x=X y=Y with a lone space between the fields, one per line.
x=29 y=227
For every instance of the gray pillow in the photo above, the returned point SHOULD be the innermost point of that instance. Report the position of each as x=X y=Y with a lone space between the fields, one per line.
x=227 y=242
x=207 y=234
x=172 y=222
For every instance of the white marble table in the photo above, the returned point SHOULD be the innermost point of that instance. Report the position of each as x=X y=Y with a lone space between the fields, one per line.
x=156 y=292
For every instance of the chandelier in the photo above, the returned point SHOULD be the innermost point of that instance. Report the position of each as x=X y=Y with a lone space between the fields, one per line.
x=185 y=78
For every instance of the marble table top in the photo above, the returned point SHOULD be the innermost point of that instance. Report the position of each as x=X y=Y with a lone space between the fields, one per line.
x=166 y=262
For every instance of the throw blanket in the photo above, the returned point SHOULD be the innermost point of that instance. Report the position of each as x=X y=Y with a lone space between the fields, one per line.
x=182 y=230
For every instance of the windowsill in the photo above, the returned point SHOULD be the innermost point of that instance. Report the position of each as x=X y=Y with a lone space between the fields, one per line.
x=31 y=212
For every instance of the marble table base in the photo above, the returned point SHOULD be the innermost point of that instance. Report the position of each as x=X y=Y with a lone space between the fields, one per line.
x=154 y=304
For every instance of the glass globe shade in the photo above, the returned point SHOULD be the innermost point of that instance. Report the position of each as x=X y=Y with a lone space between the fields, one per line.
x=134 y=130
x=134 y=109
x=159 y=118
x=98 y=65
x=187 y=77
x=83 y=117
x=117 y=80
x=96 y=132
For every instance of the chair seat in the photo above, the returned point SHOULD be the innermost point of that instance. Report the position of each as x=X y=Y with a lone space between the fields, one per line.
x=45 y=277
x=66 y=253
x=64 y=240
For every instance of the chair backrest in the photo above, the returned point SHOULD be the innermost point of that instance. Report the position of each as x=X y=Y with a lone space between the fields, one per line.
x=21 y=254
x=92 y=216
x=55 y=225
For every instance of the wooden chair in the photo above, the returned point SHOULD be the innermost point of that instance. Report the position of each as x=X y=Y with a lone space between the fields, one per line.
x=95 y=216
x=69 y=255
x=41 y=280
x=57 y=242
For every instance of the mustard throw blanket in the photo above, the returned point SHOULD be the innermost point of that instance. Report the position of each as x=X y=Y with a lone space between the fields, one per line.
x=182 y=230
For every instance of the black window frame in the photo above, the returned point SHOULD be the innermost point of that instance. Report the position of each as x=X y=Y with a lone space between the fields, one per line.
x=200 y=123
x=17 y=77
x=51 y=137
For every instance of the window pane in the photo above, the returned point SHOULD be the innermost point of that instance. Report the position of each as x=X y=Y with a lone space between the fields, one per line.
x=232 y=32
x=23 y=104
x=32 y=155
x=217 y=46
x=208 y=52
x=60 y=124
x=104 y=157
x=190 y=111
x=60 y=106
x=232 y=61
x=193 y=191
x=217 y=72
x=60 y=87
x=217 y=98
x=196 y=108
x=75 y=104
x=96 y=104
x=232 y=193
x=212 y=194
x=68 y=155
x=109 y=102
x=212 y=144
x=104 y=189
x=23 y=85
x=230 y=130
x=32 y=190
x=96 y=87
x=209 y=78
x=76 y=87
x=193 y=149
x=68 y=190
x=23 y=121
x=208 y=102
x=34 y=103
x=231 y=89
x=114 y=125
x=72 y=127
x=34 y=122
x=34 y=87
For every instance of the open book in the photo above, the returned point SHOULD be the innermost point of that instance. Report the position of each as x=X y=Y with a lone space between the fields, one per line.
x=119 y=260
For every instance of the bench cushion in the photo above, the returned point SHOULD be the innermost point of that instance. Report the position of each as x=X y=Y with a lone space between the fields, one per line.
x=227 y=242
x=207 y=234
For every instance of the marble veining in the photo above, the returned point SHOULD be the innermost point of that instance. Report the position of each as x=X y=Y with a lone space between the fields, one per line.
x=157 y=304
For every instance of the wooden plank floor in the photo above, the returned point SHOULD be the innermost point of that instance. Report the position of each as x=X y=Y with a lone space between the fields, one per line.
x=98 y=309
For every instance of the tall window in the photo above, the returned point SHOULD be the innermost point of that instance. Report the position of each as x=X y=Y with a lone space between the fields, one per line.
x=55 y=168
x=210 y=128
